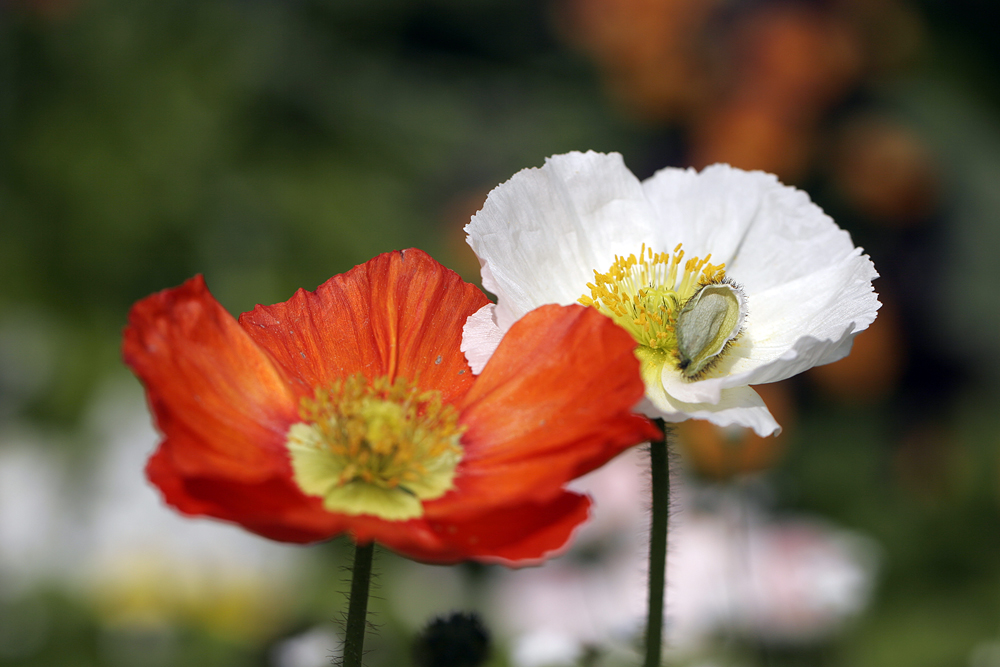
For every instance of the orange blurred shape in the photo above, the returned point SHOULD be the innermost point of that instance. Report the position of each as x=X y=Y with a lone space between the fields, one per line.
x=789 y=64
x=797 y=60
x=873 y=369
x=674 y=87
x=724 y=452
x=751 y=136
x=623 y=34
x=650 y=51
x=885 y=171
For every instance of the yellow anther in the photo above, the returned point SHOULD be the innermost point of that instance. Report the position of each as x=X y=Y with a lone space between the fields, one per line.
x=375 y=447
x=644 y=293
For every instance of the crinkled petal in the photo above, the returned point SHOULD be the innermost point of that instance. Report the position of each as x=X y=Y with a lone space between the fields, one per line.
x=709 y=211
x=739 y=406
x=250 y=378
x=218 y=397
x=517 y=535
x=553 y=402
x=830 y=305
x=805 y=281
x=399 y=314
x=514 y=535
x=767 y=233
x=273 y=508
x=541 y=235
x=791 y=327
x=480 y=338
x=791 y=238
x=521 y=535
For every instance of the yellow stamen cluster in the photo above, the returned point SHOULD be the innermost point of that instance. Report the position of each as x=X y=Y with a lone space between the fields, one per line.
x=375 y=447
x=644 y=295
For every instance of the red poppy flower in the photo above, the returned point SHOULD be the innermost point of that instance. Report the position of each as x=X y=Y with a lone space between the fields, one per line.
x=351 y=409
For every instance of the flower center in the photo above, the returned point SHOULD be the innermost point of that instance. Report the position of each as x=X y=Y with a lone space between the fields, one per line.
x=375 y=447
x=690 y=312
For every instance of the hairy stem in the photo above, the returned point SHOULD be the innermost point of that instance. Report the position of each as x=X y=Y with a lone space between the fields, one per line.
x=357 y=610
x=660 y=483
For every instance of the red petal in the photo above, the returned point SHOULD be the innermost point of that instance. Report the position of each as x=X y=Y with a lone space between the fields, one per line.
x=161 y=471
x=542 y=413
x=399 y=314
x=553 y=403
x=522 y=535
x=217 y=397
x=274 y=508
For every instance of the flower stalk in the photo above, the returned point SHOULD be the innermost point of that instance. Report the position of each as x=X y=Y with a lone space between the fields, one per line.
x=357 y=610
x=659 y=461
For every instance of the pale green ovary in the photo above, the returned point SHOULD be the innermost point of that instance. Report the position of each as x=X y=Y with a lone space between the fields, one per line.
x=338 y=479
x=706 y=324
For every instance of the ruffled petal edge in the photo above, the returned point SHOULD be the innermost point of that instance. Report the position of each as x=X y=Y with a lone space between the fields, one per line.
x=220 y=398
x=738 y=406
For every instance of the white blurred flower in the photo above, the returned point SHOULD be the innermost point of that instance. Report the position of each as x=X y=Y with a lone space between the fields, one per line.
x=33 y=518
x=146 y=566
x=792 y=294
x=596 y=593
x=790 y=581
x=545 y=649
x=730 y=571
x=312 y=648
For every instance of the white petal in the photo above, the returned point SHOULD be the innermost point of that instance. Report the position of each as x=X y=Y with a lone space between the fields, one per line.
x=709 y=212
x=685 y=391
x=815 y=317
x=738 y=406
x=766 y=233
x=789 y=237
x=541 y=235
x=480 y=338
x=806 y=322
x=790 y=328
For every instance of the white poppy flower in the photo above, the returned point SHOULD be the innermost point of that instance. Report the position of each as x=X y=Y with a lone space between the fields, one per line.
x=726 y=278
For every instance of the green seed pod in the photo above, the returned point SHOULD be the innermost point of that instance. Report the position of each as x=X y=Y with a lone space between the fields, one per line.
x=707 y=323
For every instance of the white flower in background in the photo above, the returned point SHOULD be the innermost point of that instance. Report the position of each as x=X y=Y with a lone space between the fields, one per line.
x=94 y=528
x=33 y=519
x=596 y=593
x=733 y=570
x=789 y=581
x=148 y=568
x=311 y=648
x=726 y=278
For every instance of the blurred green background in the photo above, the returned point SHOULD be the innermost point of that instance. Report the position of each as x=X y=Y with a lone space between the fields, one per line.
x=270 y=144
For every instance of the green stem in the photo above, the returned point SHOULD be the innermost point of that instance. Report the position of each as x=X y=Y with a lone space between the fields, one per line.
x=357 y=610
x=660 y=482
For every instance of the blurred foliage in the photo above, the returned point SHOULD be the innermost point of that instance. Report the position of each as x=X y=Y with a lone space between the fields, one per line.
x=271 y=144
x=268 y=145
